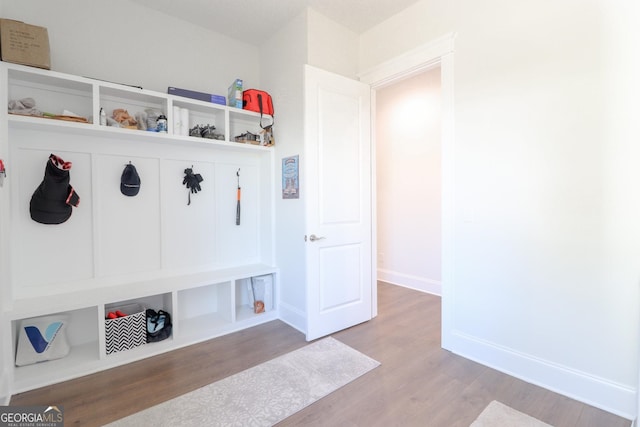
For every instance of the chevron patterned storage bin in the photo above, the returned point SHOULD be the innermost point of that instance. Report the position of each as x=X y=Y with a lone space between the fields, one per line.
x=125 y=333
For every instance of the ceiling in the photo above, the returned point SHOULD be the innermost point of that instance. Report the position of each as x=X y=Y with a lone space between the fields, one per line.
x=253 y=20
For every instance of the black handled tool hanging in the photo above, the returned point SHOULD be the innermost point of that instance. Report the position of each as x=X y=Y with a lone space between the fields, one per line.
x=238 y=198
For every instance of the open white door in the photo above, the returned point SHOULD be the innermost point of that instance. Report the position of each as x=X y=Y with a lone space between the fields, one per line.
x=338 y=202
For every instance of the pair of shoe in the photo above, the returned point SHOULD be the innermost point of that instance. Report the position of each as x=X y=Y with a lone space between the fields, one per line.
x=115 y=315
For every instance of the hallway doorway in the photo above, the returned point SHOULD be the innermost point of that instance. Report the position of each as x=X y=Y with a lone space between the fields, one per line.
x=438 y=53
x=408 y=129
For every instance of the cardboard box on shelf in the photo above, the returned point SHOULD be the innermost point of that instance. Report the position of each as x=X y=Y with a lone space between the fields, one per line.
x=24 y=44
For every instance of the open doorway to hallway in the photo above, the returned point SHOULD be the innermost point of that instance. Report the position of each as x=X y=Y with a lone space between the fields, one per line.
x=408 y=127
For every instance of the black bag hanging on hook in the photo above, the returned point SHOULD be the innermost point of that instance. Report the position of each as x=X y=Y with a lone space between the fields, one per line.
x=54 y=198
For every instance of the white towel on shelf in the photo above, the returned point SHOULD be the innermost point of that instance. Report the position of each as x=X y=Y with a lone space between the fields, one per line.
x=177 y=121
x=184 y=121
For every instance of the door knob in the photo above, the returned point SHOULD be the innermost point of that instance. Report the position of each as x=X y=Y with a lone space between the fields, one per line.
x=313 y=238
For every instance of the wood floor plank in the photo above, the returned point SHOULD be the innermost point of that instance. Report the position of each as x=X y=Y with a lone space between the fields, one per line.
x=417 y=384
x=593 y=417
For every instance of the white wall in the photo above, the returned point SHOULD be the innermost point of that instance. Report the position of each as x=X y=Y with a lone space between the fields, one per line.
x=542 y=288
x=324 y=35
x=310 y=38
x=124 y=42
x=283 y=56
x=621 y=154
x=408 y=135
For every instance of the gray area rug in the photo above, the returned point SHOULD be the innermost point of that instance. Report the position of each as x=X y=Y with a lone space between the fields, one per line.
x=497 y=414
x=265 y=394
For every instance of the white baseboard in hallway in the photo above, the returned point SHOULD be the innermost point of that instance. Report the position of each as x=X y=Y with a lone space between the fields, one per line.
x=417 y=283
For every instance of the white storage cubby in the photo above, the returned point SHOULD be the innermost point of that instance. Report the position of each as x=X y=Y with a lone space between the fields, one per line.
x=242 y=121
x=52 y=94
x=131 y=99
x=204 y=310
x=162 y=249
x=82 y=335
x=156 y=302
x=258 y=287
x=200 y=113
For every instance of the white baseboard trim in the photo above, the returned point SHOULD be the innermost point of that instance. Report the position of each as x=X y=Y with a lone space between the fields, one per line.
x=607 y=395
x=293 y=317
x=412 y=282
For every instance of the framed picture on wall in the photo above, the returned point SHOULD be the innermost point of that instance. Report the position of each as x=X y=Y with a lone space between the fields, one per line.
x=290 y=177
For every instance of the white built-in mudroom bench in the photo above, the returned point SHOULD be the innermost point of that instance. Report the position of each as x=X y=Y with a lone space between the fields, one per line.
x=165 y=248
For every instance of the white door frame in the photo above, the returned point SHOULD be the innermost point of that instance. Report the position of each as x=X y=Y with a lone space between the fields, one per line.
x=437 y=52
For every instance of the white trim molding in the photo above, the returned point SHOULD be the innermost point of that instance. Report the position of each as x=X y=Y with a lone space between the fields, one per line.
x=607 y=395
x=417 y=283
x=409 y=63
x=292 y=317
x=438 y=52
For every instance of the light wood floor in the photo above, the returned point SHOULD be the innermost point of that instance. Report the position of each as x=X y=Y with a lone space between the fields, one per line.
x=418 y=383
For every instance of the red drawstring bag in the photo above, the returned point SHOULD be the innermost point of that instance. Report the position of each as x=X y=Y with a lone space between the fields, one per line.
x=258 y=101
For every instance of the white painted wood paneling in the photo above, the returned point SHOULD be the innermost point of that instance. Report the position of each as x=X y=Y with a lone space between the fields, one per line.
x=128 y=227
